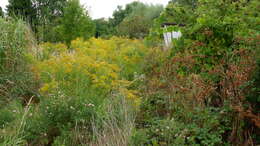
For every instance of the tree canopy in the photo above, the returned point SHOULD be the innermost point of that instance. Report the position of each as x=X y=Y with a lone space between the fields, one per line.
x=75 y=22
x=23 y=9
x=103 y=28
x=138 y=23
x=135 y=20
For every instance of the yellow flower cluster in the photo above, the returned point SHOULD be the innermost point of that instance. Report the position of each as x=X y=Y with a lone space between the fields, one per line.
x=96 y=65
x=47 y=87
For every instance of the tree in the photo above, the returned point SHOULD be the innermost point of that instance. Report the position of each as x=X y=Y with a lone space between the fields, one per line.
x=48 y=16
x=48 y=10
x=138 y=23
x=103 y=29
x=120 y=14
x=23 y=9
x=41 y=14
x=1 y=12
x=191 y=3
x=75 y=23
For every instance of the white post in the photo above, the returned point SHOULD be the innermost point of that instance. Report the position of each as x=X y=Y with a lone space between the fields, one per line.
x=168 y=36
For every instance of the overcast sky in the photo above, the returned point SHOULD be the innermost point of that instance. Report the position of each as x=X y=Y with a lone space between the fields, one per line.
x=103 y=8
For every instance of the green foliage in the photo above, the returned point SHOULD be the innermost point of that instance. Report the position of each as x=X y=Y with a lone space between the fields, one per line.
x=42 y=15
x=48 y=10
x=23 y=9
x=6 y=117
x=17 y=84
x=49 y=13
x=57 y=115
x=190 y=3
x=12 y=132
x=15 y=75
x=202 y=91
x=1 y=12
x=211 y=28
x=254 y=94
x=120 y=14
x=168 y=120
x=214 y=65
x=135 y=20
x=103 y=28
x=75 y=23
x=139 y=21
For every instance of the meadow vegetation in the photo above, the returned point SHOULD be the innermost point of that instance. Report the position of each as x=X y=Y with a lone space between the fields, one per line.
x=108 y=88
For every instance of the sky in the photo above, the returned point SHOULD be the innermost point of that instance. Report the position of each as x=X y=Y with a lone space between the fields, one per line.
x=103 y=8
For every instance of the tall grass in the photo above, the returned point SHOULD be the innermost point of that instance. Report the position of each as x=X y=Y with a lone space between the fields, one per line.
x=16 y=81
x=118 y=125
x=16 y=41
x=15 y=137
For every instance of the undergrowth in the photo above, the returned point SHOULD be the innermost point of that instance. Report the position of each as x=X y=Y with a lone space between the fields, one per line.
x=208 y=84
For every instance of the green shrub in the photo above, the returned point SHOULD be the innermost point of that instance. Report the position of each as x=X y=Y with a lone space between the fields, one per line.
x=165 y=120
x=211 y=67
x=58 y=114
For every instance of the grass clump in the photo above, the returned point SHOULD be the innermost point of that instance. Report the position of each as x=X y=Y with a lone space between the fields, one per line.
x=16 y=79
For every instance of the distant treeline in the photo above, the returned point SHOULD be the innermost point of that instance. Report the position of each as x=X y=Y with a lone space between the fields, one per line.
x=65 y=20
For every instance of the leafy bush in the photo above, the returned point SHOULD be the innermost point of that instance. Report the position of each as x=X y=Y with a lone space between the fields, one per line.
x=57 y=115
x=210 y=67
